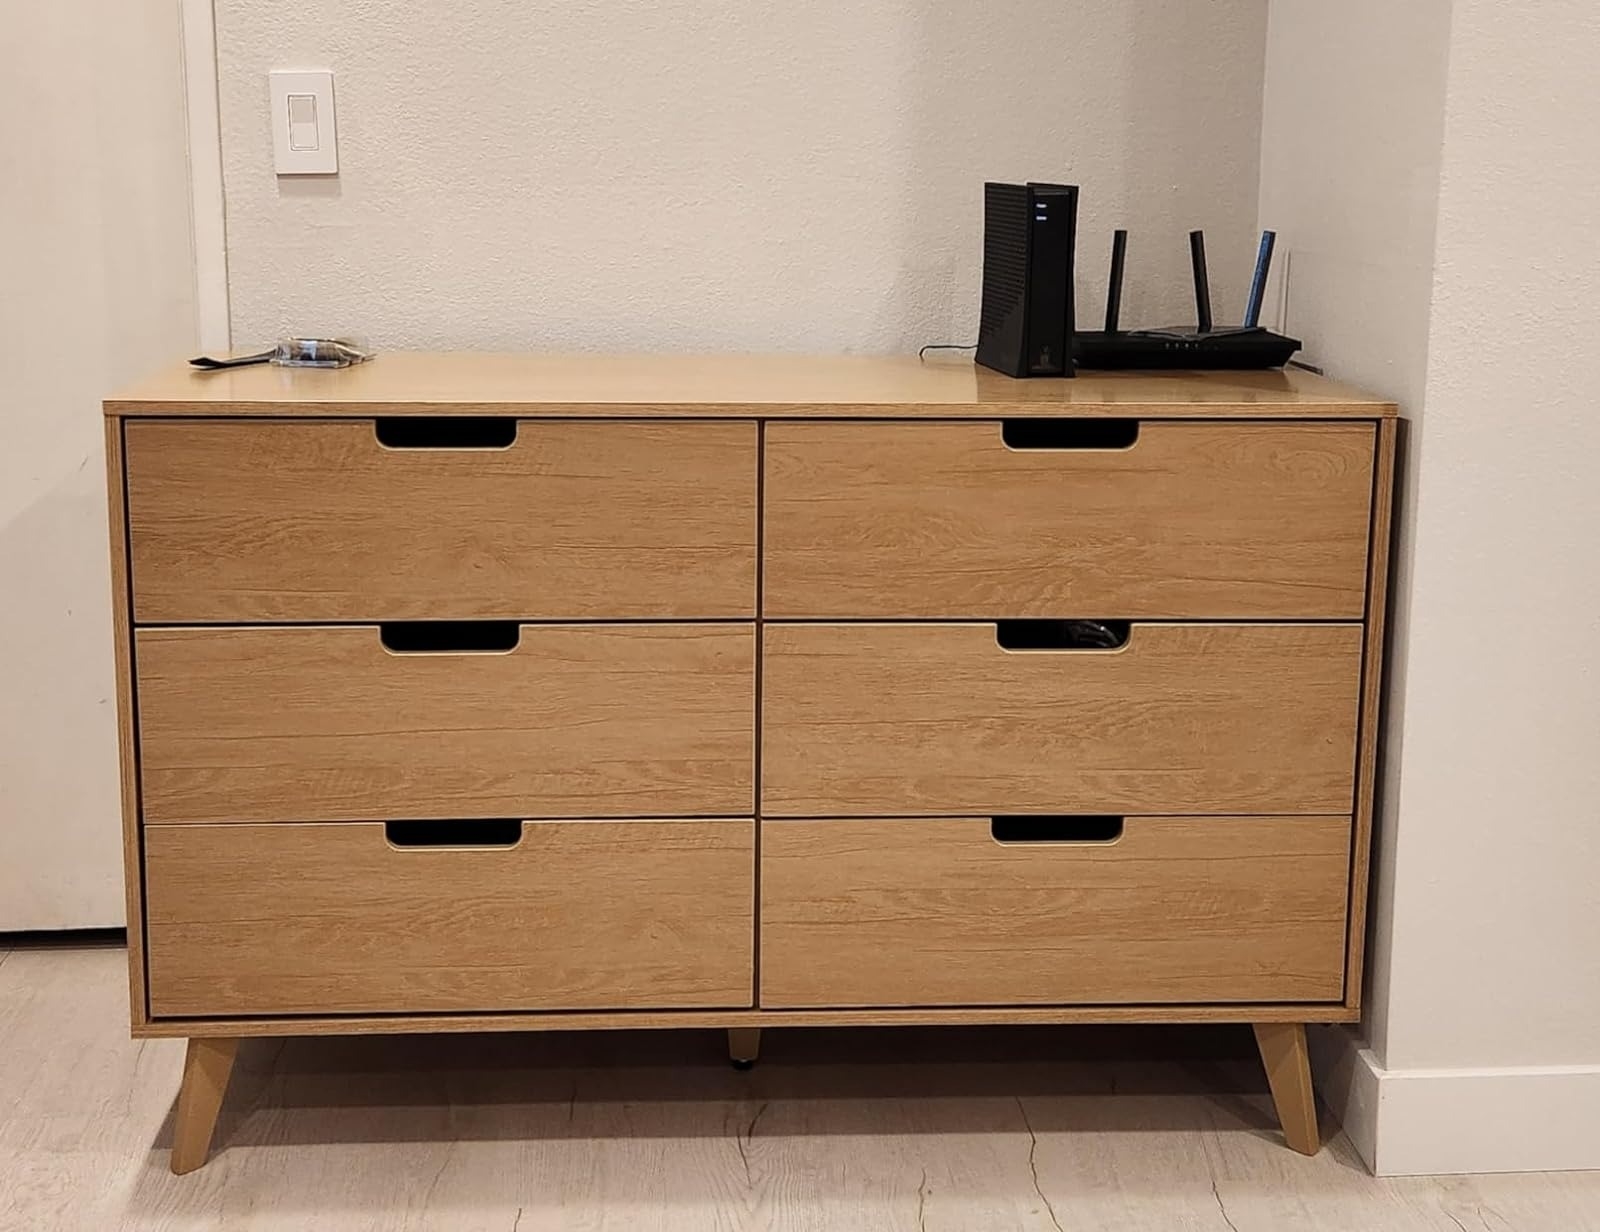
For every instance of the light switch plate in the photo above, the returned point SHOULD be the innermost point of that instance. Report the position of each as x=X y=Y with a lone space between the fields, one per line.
x=305 y=138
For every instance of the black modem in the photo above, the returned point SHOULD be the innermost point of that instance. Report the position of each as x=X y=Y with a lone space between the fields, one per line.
x=1204 y=346
x=1025 y=326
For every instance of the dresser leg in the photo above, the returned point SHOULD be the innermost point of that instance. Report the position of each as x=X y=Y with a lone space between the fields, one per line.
x=1288 y=1064
x=744 y=1046
x=206 y=1067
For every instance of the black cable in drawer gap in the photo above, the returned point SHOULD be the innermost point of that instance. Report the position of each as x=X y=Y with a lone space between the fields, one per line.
x=1062 y=634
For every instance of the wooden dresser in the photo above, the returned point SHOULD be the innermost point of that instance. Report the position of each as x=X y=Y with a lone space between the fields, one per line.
x=485 y=692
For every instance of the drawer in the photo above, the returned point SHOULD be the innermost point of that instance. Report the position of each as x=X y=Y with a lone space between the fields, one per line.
x=331 y=724
x=909 y=912
x=344 y=919
x=939 y=719
x=1204 y=520
x=242 y=521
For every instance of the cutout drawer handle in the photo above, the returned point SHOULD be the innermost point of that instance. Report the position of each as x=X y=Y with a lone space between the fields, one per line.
x=1069 y=433
x=446 y=432
x=1062 y=634
x=450 y=636
x=1056 y=828
x=490 y=832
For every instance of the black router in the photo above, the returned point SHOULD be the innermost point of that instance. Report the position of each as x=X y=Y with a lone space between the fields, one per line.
x=1205 y=346
x=1029 y=233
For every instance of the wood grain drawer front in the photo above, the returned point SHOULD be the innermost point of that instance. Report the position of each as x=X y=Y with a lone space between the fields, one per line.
x=326 y=724
x=319 y=521
x=936 y=912
x=334 y=919
x=1192 y=521
x=927 y=719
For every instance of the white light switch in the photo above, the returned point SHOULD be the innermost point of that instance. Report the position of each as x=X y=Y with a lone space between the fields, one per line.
x=302 y=122
x=304 y=137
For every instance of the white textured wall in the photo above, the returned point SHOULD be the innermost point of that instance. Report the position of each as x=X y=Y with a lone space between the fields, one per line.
x=686 y=175
x=1352 y=134
x=96 y=286
x=1497 y=951
x=1432 y=167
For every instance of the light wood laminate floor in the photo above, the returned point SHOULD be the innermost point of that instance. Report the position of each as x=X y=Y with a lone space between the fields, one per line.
x=968 y=1131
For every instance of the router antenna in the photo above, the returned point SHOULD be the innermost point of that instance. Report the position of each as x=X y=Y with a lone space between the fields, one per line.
x=1258 y=283
x=1202 y=286
x=1119 y=251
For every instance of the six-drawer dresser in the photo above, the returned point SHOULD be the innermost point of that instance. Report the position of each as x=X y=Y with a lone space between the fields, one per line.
x=492 y=692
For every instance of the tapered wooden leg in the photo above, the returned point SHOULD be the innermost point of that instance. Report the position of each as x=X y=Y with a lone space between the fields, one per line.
x=744 y=1046
x=206 y=1067
x=1283 y=1052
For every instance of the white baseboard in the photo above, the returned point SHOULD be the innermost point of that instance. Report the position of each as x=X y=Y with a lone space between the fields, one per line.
x=1425 y=1121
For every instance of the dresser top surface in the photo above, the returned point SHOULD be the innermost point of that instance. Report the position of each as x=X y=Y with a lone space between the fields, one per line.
x=729 y=386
